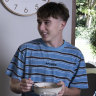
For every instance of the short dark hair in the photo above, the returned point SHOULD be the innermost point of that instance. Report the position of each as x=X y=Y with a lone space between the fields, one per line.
x=53 y=9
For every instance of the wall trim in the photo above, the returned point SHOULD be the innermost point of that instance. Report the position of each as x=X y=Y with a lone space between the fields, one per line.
x=73 y=22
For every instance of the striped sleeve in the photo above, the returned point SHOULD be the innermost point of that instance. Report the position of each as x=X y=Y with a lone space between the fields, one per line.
x=16 y=66
x=80 y=78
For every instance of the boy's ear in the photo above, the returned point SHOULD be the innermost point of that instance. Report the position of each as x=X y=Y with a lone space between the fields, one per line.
x=63 y=23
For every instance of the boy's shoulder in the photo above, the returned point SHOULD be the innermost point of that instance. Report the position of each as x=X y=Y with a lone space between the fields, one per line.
x=29 y=44
x=72 y=48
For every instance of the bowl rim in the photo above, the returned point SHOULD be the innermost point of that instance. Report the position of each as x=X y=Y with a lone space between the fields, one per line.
x=37 y=86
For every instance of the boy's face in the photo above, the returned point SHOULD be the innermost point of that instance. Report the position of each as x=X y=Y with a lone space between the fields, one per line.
x=50 y=29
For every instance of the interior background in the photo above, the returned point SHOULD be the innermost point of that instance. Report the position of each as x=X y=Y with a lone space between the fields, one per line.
x=15 y=30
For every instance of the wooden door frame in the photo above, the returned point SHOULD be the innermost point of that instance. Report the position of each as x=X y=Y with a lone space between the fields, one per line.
x=73 y=22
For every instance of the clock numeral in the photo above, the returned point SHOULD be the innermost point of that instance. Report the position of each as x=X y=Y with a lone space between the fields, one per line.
x=6 y=0
x=15 y=6
x=36 y=6
x=25 y=10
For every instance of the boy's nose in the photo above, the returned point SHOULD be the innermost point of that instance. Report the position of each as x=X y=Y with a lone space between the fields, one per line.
x=42 y=27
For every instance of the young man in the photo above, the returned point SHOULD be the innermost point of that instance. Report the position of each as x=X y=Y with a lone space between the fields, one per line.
x=50 y=58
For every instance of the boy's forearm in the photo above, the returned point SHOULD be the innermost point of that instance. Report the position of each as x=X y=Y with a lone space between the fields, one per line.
x=15 y=86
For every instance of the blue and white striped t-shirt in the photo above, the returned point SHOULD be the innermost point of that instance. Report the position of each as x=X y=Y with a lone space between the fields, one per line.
x=42 y=63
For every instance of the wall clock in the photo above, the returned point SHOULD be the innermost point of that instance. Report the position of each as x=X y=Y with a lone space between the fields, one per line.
x=23 y=7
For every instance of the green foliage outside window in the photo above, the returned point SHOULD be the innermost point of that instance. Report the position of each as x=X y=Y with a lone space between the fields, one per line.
x=86 y=21
x=93 y=41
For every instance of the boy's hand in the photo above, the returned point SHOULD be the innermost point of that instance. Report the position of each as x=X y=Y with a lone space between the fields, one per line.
x=61 y=93
x=26 y=85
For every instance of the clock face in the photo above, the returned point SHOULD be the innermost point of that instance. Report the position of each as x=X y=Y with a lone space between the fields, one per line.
x=23 y=7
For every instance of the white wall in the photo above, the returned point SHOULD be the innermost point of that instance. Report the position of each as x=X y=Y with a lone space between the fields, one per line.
x=15 y=30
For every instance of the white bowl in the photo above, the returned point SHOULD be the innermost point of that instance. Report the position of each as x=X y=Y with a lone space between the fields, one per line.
x=47 y=87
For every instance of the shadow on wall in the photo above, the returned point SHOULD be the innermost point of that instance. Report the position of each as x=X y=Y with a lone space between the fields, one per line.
x=4 y=62
x=3 y=77
x=4 y=82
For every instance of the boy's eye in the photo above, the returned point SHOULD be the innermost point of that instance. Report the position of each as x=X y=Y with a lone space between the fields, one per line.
x=47 y=22
x=39 y=22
